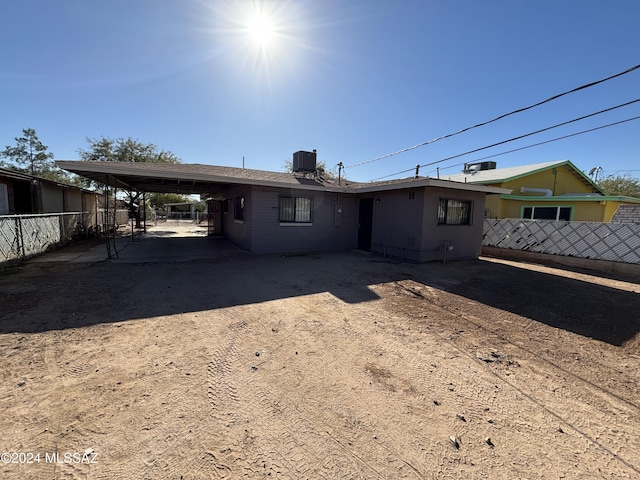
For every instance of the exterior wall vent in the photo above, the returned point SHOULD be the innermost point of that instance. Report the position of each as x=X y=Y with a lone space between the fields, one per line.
x=304 y=162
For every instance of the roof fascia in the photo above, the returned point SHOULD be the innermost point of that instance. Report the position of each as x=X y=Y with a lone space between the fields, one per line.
x=572 y=198
x=431 y=182
x=586 y=178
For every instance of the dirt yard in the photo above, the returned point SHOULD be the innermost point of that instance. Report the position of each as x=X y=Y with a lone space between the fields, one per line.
x=335 y=366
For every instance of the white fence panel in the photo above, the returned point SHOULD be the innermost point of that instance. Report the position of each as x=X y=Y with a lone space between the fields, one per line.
x=40 y=232
x=616 y=242
x=9 y=238
x=27 y=235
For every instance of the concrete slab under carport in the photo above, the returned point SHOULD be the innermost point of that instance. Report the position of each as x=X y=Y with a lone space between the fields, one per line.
x=168 y=242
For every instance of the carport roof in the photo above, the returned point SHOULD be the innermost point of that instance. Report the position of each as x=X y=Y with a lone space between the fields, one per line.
x=185 y=177
x=211 y=179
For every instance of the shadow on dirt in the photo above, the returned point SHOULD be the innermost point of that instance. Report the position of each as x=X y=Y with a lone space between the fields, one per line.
x=47 y=297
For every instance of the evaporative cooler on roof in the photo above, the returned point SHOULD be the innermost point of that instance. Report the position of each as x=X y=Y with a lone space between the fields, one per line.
x=304 y=161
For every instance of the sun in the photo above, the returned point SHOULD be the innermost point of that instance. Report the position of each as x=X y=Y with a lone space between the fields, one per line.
x=266 y=38
x=261 y=29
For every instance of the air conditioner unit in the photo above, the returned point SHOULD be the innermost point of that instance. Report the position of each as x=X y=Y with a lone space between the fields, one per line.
x=304 y=161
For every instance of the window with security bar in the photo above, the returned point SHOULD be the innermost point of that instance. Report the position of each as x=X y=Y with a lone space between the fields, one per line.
x=295 y=210
x=454 y=212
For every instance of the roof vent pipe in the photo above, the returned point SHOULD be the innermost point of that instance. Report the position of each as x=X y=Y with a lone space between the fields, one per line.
x=546 y=191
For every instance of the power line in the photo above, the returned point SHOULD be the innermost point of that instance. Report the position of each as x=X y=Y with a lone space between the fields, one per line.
x=582 y=87
x=550 y=141
x=527 y=135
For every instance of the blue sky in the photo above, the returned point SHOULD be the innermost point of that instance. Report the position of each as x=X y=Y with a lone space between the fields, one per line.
x=354 y=79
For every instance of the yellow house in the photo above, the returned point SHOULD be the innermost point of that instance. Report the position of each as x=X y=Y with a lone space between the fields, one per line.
x=550 y=191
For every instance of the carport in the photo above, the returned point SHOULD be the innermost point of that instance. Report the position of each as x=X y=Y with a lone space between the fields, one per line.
x=154 y=178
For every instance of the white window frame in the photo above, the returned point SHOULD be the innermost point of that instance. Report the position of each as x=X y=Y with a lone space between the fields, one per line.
x=557 y=207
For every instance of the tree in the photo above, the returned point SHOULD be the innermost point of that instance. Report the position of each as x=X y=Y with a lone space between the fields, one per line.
x=30 y=155
x=621 y=185
x=126 y=150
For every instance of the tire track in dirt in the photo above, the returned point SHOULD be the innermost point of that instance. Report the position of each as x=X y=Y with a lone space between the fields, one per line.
x=620 y=445
x=406 y=392
x=360 y=440
x=279 y=436
x=175 y=445
x=222 y=392
x=465 y=387
x=270 y=442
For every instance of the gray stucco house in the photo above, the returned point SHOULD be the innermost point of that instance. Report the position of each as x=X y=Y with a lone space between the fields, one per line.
x=419 y=219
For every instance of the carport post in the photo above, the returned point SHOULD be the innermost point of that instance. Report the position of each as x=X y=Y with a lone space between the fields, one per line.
x=144 y=211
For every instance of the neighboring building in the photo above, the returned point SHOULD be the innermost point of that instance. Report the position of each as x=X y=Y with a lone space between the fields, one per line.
x=550 y=191
x=180 y=210
x=417 y=219
x=27 y=194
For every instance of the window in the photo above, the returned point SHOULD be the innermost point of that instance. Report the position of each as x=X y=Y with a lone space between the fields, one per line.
x=454 y=212
x=547 y=213
x=238 y=208
x=295 y=209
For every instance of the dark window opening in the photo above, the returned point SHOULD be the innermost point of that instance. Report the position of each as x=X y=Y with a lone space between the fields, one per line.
x=454 y=212
x=238 y=208
x=295 y=209
x=547 y=213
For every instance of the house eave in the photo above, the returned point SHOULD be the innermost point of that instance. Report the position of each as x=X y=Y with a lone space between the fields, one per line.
x=431 y=182
x=571 y=198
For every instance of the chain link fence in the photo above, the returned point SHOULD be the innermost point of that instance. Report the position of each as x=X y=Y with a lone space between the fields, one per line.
x=23 y=236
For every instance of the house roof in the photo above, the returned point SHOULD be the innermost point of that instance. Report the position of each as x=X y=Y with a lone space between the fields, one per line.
x=13 y=174
x=16 y=175
x=185 y=177
x=198 y=178
x=507 y=174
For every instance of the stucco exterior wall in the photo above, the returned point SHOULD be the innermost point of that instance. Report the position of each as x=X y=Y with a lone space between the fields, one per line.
x=236 y=231
x=465 y=239
x=329 y=230
x=90 y=207
x=494 y=205
x=408 y=228
x=560 y=183
x=397 y=223
x=52 y=198
x=73 y=200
